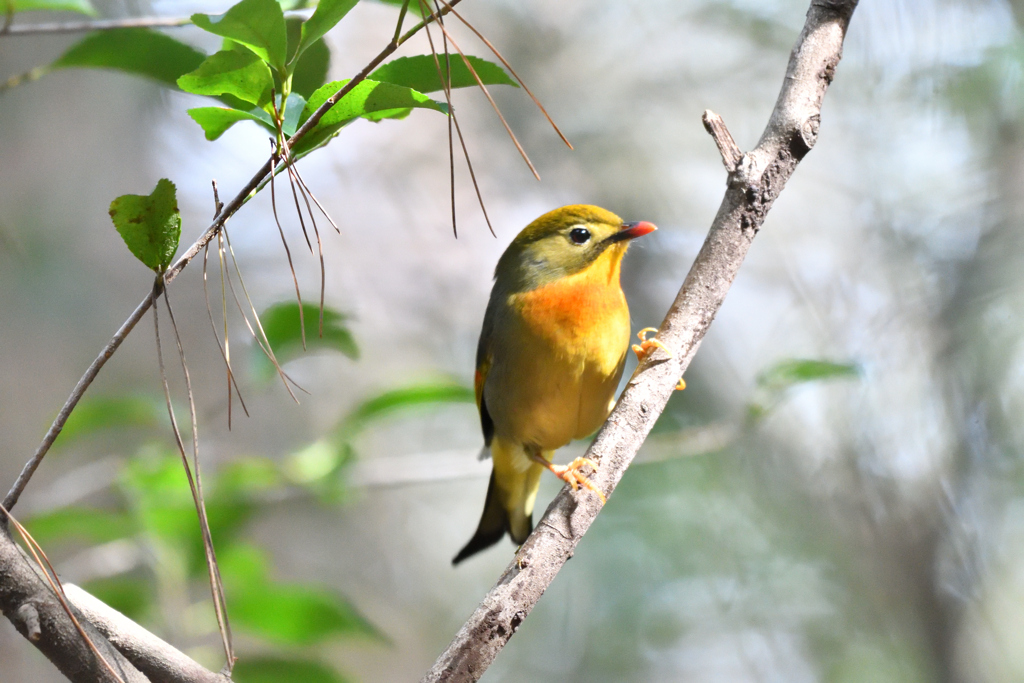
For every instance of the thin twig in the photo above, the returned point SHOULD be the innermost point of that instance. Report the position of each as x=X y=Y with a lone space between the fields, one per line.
x=472 y=174
x=194 y=479
x=447 y=82
x=453 y=118
x=225 y=352
x=261 y=338
x=294 y=165
x=494 y=105
x=508 y=66
x=225 y=348
x=288 y=252
x=401 y=19
x=297 y=189
x=791 y=133
x=446 y=85
x=228 y=210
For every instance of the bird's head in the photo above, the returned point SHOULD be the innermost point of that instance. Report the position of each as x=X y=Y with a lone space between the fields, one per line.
x=563 y=242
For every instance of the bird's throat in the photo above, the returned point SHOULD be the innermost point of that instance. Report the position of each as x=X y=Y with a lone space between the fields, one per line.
x=572 y=308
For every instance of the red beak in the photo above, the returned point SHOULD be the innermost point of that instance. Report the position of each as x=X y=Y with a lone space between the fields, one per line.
x=633 y=230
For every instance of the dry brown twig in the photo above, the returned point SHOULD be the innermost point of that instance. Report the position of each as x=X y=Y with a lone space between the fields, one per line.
x=755 y=180
x=74 y=652
x=212 y=231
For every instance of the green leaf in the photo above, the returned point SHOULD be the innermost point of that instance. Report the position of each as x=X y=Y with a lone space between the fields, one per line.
x=420 y=73
x=94 y=414
x=294 y=106
x=311 y=69
x=395 y=114
x=318 y=463
x=257 y=24
x=281 y=325
x=243 y=566
x=160 y=497
x=396 y=400
x=149 y=224
x=91 y=525
x=294 y=614
x=283 y=670
x=327 y=14
x=215 y=121
x=137 y=51
x=162 y=504
x=80 y=6
x=414 y=6
x=365 y=98
x=248 y=476
x=231 y=72
x=132 y=597
x=797 y=371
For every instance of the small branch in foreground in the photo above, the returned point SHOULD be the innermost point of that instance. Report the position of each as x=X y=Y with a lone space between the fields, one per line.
x=160 y=662
x=753 y=186
x=33 y=608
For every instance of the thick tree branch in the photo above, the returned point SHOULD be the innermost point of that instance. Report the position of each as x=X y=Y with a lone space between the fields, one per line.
x=159 y=661
x=136 y=654
x=757 y=179
x=29 y=603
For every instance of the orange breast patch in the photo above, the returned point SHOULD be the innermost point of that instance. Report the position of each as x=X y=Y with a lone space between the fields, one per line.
x=577 y=307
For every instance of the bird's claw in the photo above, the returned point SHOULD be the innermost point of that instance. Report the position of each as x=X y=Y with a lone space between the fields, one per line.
x=645 y=347
x=571 y=475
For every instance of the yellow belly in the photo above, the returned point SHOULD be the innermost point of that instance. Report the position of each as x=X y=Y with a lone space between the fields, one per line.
x=555 y=364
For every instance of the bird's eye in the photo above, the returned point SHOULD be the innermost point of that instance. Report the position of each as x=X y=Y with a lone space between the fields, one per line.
x=579 y=235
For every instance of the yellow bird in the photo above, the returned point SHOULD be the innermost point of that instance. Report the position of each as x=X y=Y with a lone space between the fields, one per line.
x=551 y=352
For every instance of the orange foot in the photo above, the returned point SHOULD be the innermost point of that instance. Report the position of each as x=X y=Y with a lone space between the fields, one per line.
x=571 y=474
x=644 y=349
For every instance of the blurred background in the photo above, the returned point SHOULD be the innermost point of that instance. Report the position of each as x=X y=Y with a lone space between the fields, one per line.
x=837 y=496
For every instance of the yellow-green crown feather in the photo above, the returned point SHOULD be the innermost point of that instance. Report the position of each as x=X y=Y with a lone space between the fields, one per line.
x=548 y=248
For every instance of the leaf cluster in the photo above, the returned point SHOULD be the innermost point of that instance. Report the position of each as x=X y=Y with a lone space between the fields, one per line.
x=271 y=70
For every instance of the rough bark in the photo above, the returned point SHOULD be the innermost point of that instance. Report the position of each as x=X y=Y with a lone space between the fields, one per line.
x=29 y=603
x=138 y=656
x=158 y=660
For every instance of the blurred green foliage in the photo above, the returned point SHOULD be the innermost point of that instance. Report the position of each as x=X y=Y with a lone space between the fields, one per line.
x=289 y=337
x=79 y=6
x=154 y=513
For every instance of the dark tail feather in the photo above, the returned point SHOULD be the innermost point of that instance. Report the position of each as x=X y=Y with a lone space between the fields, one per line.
x=493 y=524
